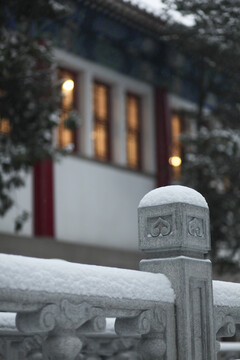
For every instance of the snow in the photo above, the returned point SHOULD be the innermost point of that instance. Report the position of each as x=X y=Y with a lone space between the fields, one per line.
x=59 y=276
x=110 y=325
x=173 y=194
x=157 y=8
x=7 y=321
x=226 y=293
x=229 y=346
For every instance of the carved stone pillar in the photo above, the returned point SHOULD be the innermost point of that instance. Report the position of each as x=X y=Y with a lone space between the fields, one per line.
x=174 y=232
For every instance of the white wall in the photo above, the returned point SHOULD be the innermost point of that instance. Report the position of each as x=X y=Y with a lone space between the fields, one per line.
x=97 y=204
x=23 y=202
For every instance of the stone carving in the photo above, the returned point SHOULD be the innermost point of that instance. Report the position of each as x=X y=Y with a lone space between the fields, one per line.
x=152 y=349
x=225 y=324
x=159 y=227
x=2 y=348
x=138 y=325
x=43 y=320
x=159 y=320
x=97 y=324
x=72 y=316
x=153 y=345
x=151 y=326
x=62 y=324
x=195 y=227
x=180 y=255
x=65 y=346
x=66 y=315
x=36 y=355
x=31 y=346
x=109 y=348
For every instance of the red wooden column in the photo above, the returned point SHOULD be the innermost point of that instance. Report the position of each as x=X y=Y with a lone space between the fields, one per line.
x=43 y=199
x=163 y=138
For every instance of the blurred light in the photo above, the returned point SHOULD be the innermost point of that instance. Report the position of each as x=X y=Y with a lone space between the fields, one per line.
x=68 y=85
x=175 y=161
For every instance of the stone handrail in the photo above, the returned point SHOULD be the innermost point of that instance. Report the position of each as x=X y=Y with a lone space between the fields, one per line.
x=62 y=303
x=170 y=310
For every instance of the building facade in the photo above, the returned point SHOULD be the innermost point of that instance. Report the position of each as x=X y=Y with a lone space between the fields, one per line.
x=124 y=92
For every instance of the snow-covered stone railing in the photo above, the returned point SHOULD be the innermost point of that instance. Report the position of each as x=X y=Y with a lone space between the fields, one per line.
x=63 y=303
x=170 y=310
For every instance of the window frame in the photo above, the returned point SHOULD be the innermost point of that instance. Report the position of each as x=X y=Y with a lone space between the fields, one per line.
x=75 y=106
x=176 y=172
x=96 y=121
x=139 y=132
x=119 y=84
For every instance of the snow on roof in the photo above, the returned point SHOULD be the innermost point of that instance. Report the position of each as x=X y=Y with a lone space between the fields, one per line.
x=226 y=293
x=59 y=276
x=156 y=8
x=151 y=6
x=173 y=194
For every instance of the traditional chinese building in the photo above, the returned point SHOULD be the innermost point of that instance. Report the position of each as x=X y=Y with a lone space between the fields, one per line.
x=129 y=89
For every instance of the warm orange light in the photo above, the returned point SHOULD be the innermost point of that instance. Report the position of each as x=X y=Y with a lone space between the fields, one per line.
x=68 y=85
x=175 y=161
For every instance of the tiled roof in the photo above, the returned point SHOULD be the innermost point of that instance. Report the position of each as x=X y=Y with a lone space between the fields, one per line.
x=133 y=12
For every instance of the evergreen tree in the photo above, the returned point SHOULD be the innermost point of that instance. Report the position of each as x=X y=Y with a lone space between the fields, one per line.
x=212 y=159
x=29 y=93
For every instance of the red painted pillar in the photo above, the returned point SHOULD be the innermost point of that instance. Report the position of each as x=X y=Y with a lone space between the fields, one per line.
x=43 y=199
x=163 y=138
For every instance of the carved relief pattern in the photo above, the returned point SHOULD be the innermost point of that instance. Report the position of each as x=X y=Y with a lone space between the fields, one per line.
x=151 y=325
x=64 y=345
x=61 y=324
x=159 y=226
x=110 y=348
x=97 y=324
x=224 y=323
x=137 y=325
x=153 y=345
x=72 y=316
x=142 y=331
x=195 y=227
x=32 y=347
x=66 y=316
x=153 y=348
x=43 y=320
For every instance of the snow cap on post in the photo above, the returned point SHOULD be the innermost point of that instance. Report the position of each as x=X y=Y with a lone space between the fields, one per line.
x=174 y=220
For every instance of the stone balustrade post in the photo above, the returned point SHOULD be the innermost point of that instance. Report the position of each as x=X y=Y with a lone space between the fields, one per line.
x=174 y=233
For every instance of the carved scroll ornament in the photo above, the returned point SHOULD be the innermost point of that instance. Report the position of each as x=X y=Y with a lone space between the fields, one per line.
x=224 y=323
x=66 y=316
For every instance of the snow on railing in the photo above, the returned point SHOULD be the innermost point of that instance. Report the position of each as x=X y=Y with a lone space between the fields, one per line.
x=229 y=350
x=55 y=297
x=27 y=276
x=171 y=309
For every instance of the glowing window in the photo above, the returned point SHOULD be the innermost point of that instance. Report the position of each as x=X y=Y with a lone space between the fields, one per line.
x=65 y=135
x=4 y=126
x=101 y=111
x=176 y=157
x=133 y=131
